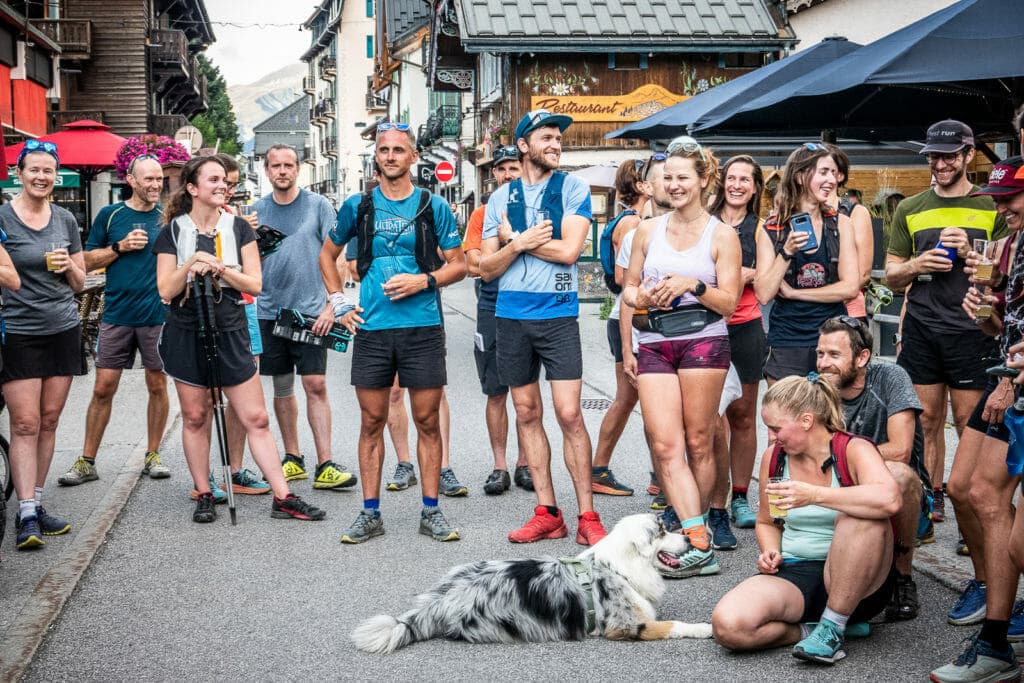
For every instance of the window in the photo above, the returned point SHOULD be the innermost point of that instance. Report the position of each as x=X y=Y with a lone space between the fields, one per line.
x=39 y=67
x=369 y=47
x=369 y=8
x=627 y=61
x=490 y=75
x=7 y=51
x=741 y=60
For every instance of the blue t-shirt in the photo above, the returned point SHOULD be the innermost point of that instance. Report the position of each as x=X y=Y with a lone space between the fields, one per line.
x=131 y=298
x=394 y=244
x=532 y=288
x=291 y=275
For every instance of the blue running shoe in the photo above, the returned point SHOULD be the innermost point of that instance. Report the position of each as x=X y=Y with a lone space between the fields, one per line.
x=1016 y=632
x=219 y=495
x=970 y=608
x=722 y=537
x=29 y=536
x=671 y=520
x=742 y=515
x=824 y=645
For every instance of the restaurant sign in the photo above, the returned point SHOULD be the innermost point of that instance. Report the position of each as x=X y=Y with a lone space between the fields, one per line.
x=65 y=179
x=639 y=104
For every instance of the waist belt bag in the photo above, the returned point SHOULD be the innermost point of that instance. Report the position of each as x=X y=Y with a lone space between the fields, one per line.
x=682 y=321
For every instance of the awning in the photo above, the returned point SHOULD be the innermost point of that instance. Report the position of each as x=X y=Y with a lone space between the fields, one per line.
x=65 y=179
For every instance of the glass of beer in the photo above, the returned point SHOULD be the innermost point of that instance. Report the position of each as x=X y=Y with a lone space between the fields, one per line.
x=52 y=249
x=984 y=311
x=774 y=511
x=983 y=273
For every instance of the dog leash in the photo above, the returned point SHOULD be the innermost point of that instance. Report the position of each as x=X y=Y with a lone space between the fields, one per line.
x=581 y=571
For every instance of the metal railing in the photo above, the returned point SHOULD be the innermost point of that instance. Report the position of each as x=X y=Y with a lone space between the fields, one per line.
x=328 y=68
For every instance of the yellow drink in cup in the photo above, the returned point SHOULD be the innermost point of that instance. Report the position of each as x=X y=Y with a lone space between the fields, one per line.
x=773 y=511
x=52 y=249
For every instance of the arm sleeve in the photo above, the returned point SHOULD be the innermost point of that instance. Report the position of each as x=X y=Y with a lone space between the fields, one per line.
x=98 y=237
x=243 y=232
x=163 y=244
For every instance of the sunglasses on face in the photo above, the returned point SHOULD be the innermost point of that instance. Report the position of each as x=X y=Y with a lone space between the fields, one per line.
x=38 y=146
x=688 y=146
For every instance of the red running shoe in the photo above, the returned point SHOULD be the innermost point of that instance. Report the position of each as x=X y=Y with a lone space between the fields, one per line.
x=590 y=529
x=542 y=525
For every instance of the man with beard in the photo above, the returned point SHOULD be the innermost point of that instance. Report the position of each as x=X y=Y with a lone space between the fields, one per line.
x=289 y=282
x=879 y=402
x=133 y=315
x=942 y=348
x=534 y=229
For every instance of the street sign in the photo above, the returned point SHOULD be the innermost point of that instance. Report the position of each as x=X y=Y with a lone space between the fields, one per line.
x=444 y=171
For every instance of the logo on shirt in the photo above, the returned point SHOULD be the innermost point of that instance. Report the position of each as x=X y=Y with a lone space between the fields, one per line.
x=810 y=276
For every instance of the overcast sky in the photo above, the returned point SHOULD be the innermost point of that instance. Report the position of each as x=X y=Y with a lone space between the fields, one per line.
x=265 y=36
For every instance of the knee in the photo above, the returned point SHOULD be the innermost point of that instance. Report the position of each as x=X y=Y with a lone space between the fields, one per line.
x=664 y=450
x=48 y=421
x=25 y=425
x=194 y=418
x=698 y=443
x=428 y=423
x=907 y=480
x=932 y=422
x=497 y=401
x=315 y=386
x=372 y=424
x=741 y=421
x=256 y=419
x=958 y=490
x=528 y=412
x=569 y=417
x=729 y=629
x=984 y=498
x=156 y=383
x=104 y=392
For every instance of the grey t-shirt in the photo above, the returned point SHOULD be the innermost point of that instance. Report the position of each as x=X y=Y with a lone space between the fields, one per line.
x=45 y=304
x=291 y=275
x=887 y=391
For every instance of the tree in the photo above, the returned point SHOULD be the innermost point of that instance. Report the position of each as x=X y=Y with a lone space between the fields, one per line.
x=219 y=120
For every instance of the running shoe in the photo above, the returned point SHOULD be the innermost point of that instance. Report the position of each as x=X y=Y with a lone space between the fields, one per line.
x=693 y=562
x=293 y=507
x=938 y=506
x=204 y=512
x=219 y=495
x=48 y=524
x=331 y=476
x=652 y=487
x=979 y=663
x=856 y=629
x=366 y=526
x=1015 y=634
x=433 y=524
x=294 y=467
x=155 y=469
x=81 y=471
x=670 y=520
x=542 y=525
x=824 y=645
x=405 y=476
x=29 y=535
x=961 y=547
x=904 y=604
x=450 y=486
x=742 y=516
x=590 y=530
x=497 y=483
x=248 y=484
x=602 y=480
x=722 y=537
x=926 y=535
x=522 y=477
x=659 y=502
x=970 y=607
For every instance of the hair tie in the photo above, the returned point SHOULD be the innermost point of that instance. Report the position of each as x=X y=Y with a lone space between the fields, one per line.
x=813 y=377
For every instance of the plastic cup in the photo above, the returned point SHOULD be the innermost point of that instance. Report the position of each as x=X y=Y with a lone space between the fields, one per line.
x=51 y=250
x=773 y=511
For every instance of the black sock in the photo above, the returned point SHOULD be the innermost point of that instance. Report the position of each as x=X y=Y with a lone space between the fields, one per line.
x=91 y=461
x=993 y=632
x=553 y=510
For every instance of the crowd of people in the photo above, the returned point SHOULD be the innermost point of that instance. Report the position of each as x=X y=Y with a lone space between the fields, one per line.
x=854 y=466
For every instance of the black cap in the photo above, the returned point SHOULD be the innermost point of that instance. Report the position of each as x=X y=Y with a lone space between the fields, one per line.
x=946 y=137
x=505 y=153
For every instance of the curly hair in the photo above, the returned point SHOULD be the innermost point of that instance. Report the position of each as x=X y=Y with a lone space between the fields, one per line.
x=180 y=201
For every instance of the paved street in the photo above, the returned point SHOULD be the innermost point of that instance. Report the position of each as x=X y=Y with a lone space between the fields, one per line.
x=164 y=598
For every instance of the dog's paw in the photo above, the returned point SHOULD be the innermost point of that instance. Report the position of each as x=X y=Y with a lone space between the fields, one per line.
x=684 y=630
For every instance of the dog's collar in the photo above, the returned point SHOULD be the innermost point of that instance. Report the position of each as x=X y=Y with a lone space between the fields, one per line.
x=582 y=571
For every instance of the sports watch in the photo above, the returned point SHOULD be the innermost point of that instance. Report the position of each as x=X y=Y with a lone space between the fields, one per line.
x=431 y=282
x=116 y=248
x=700 y=288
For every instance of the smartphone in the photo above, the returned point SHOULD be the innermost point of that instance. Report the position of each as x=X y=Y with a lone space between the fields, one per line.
x=801 y=222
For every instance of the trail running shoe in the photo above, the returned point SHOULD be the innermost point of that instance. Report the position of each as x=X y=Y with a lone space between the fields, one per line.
x=979 y=663
x=248 y=484
x=293 y=507
x=855 y=629
x=970 y=607
x=294 y=467
x=1015 y=634
x=603 y=481
x=450 y=485
x=904 y=604
x=220 y=496
x=671 y=520
x=204 y=512
x=939 y=506
x=652 y=487
x=331 y=476
x=405 y=476
x=742 y=516
x=590 y=530
x=433 y=524
x=48 y=524
x=542 y=525
x=824 y=645
x=366 y=526
x=154 y=468
x=29 y=536
x=498 y=481
x=522 y=477
x=659 y=502
x=693 y=562
x=722 y=537
x=81 y=471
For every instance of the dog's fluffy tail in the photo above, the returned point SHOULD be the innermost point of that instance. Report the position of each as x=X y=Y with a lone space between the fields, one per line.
x=382 y=634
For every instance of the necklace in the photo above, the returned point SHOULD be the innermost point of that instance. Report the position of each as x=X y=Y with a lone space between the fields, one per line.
x=688 y=221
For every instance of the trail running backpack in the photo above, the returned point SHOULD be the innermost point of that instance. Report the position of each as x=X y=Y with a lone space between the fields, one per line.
x=607 y=250
x=426 y=254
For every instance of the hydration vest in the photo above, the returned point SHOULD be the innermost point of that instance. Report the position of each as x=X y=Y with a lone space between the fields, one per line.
x=829 y=242
x=427 y=257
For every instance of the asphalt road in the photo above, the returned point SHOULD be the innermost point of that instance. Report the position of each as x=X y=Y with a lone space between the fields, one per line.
x=270 y=599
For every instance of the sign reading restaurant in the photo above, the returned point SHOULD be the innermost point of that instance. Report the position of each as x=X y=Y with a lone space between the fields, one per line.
x=639 y=104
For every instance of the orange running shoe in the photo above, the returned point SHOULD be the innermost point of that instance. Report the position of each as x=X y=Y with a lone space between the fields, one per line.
x=590 y=529
x=542 y=525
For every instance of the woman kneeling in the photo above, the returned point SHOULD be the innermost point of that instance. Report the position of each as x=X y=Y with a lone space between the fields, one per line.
x=827 y=557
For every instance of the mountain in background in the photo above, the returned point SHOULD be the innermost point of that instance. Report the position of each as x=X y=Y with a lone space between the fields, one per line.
x=256 y=101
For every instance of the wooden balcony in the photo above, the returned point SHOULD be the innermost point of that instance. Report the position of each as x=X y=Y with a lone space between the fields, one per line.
x=166 y=124
x=168 y=52
x=309 y=85
x=329 y=146
x=73 y=35
x=59 y=119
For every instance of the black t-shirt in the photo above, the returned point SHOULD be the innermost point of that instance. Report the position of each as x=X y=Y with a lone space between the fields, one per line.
x=182 y=312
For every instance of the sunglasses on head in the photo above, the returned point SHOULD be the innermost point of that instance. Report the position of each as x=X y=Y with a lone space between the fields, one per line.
x=855 y=324
x=813 y=147
x=655 y=158
x=39 y=146
x=688 y=146
x=387 y=125
x=131 y=166
x=505 y=153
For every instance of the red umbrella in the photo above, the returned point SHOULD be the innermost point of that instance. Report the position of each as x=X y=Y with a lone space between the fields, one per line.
x=86 y=146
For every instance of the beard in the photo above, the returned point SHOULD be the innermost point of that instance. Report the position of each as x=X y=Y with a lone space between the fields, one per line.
x=957 y=177
x=537 y=159
x=844 y=378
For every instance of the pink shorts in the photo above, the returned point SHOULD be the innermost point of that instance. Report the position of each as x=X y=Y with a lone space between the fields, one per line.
x=711 y=353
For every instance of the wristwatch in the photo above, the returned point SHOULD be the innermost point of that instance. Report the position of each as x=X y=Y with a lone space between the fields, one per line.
x=116 y=248
x=786 y=256
x=700 y=288
x=431 y=282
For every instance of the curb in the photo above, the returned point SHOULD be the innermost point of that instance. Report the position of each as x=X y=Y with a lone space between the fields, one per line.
x=26 y=633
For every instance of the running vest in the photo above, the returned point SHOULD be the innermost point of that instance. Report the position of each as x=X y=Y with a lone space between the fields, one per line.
x=827 y=252
x=427 y=257
x=551 y=201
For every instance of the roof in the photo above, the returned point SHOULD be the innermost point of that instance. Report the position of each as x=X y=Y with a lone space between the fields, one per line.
x=294 y=117
x=404 y=18
x=628 y=25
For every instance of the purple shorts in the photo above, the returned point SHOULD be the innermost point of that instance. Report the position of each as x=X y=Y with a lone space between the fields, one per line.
x=708 y=353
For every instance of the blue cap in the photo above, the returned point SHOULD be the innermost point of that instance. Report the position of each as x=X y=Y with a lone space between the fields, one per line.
x=540 y=118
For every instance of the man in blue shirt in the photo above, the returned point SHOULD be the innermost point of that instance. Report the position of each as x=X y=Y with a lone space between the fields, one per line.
x=534 y=228
x=400 y=235
x=133 y=315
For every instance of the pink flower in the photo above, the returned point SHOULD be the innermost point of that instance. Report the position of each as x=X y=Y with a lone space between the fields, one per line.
x=164 y=148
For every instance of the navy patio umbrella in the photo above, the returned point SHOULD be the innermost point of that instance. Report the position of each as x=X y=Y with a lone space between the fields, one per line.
x=675 y=120
x=959 y=62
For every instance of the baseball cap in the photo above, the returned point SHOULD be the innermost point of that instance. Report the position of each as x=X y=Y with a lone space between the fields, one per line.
x=539 y=118
x=946 y=137
x=505 y=153
x=1006 y=178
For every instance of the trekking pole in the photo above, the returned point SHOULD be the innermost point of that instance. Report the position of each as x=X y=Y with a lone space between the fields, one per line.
x=202 y=291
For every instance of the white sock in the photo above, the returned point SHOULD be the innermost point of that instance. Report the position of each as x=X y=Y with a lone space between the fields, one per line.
x=27 y=508
x=39 y=496
x=836 y=618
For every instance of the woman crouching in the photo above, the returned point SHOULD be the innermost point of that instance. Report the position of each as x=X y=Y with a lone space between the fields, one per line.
x=826 y=559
